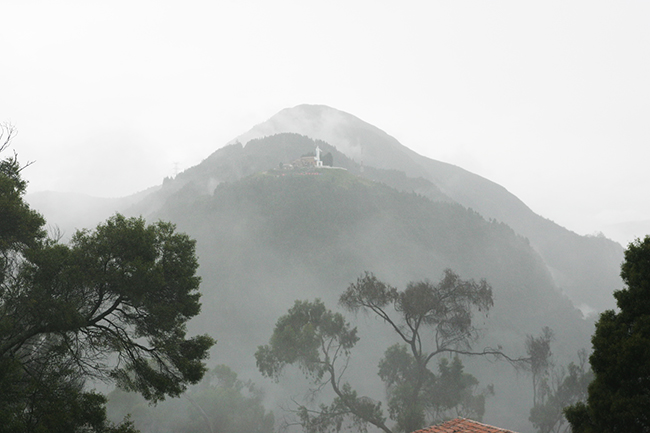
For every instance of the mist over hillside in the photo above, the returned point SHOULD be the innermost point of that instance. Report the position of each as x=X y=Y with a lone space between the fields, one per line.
x=586 y=268
x=267 y=235
x=69 y=212
x=274 y=237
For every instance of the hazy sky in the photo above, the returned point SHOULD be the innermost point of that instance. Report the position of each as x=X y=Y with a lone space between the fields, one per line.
x=550 y=99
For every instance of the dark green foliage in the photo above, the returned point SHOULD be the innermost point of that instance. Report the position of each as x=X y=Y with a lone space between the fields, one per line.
x=20 y=226
x=124 y=289
x=42 y=391
x=111 y=305
x=56 y=403
x=619 y=396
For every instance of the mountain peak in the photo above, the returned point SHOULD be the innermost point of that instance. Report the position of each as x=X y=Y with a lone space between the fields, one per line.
x=355 y=138
x=315 y=121
x=369 y=145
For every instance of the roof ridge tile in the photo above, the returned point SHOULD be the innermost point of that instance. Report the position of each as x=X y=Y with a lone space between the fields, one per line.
x=463 y=425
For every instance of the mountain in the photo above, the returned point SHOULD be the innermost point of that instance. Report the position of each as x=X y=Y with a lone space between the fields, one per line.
x=67 y=212
x=584 y=267
x=275 y=236
x=267 y=235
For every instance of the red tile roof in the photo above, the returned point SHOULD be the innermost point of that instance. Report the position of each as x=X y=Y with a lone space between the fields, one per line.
x=463 y=425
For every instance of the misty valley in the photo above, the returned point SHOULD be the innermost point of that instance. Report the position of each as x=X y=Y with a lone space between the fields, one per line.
x=348 y=282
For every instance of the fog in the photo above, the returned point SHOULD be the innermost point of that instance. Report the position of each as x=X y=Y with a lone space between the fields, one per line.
x=548 y=100
x=267 y=237
x=506 y=141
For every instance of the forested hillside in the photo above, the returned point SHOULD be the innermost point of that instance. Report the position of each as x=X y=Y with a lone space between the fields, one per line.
x=268 y=235
x=278 y=236
x=585 y=267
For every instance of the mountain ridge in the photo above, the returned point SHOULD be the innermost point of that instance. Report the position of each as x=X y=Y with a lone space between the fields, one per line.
x=281 y=235
x=586 y=268
x=349 y=133
x=267 y=236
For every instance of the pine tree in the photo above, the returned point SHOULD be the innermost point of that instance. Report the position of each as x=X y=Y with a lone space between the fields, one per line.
x=619 y=396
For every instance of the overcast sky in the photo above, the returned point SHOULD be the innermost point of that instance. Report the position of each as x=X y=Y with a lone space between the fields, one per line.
x=550 y=99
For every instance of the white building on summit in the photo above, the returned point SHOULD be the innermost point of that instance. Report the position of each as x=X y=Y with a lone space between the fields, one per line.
x=306 y=161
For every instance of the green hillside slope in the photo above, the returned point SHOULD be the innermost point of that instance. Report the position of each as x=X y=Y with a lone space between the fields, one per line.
x=586 y=268
x=278 y=236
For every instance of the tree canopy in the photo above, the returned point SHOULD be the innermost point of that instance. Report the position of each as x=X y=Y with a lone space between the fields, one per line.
x=431 y=319
x=111 y=305
x=619 y=396
x=562 y=387
x=20 y=226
